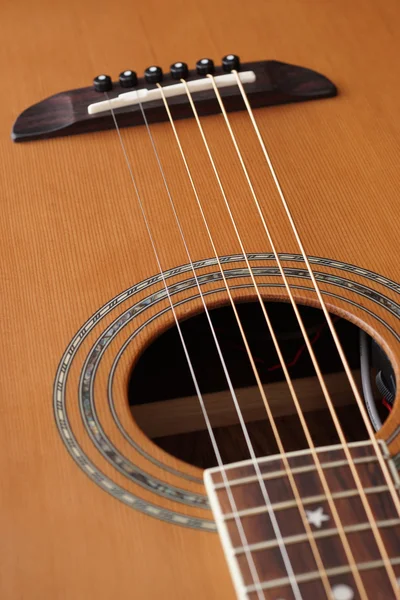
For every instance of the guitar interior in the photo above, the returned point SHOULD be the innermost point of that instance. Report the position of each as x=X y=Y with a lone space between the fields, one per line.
x=165 y=405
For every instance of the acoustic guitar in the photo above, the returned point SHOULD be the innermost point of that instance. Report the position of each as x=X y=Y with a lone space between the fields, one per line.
x=200 y=300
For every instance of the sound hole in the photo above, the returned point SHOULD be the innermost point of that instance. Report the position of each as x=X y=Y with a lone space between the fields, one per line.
x=165 y=405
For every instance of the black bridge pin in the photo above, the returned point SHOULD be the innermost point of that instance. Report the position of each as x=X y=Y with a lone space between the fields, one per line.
x=179 y=70
x=153 y=74
x=128 y=79
x=102 y=83
x=230 y=62
x=205 y=66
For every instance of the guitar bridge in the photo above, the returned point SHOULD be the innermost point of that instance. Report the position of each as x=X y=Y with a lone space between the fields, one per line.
x=267 y=83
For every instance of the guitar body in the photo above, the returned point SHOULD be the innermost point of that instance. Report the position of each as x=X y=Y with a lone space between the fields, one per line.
x=76 y=521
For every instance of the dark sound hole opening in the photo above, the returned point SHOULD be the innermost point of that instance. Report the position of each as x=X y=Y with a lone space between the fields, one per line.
x=164 y=402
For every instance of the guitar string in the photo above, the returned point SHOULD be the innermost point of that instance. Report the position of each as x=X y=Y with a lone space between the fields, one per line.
x=278 y=439
x=236 y=403
x=384 y=466
x=348 y=552
x=238 y=522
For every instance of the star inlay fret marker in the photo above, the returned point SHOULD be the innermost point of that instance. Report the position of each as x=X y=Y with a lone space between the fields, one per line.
x=316 y=517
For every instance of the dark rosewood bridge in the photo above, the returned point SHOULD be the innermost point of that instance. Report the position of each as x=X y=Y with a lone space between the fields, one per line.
x=67 y=113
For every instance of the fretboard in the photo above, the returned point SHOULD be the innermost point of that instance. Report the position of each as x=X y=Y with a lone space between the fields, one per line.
x=264 y=538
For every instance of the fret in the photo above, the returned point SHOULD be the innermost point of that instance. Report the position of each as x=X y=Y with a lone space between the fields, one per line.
x=298 y=458
x=308 y=500
x=258 y=527
x=314 y=575
x=248 y=492
x=310 y=590
x=294 y=539
x=295 y=471
x=342 y=585
x=269 y=564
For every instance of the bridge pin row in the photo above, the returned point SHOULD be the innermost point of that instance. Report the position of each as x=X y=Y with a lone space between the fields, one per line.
x=154 y=74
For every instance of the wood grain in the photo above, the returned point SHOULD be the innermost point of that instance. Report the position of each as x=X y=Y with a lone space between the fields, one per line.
x=73 y=237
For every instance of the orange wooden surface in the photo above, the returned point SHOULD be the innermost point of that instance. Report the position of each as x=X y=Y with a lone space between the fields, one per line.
x=73 y=237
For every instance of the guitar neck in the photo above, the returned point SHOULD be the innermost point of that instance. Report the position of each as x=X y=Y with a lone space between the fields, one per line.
x=261 y=526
